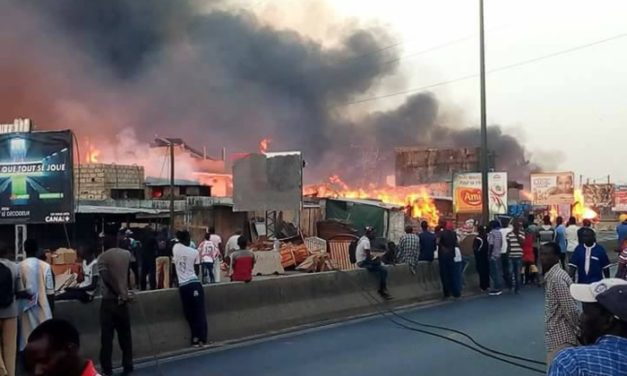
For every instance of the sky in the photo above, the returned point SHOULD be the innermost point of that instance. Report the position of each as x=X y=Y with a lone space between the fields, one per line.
x=568 y=109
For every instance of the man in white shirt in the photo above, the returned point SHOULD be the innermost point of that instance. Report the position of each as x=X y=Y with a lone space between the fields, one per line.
x=506 y=228
x=231 y=244
x=209 y=254
x=85 y=290
x=215 y=238
x=372 y=264
x=185 y=261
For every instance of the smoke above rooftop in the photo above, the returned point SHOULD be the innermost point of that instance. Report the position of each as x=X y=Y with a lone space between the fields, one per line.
x=215 y=77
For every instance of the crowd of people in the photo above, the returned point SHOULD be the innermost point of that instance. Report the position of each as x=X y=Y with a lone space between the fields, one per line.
x=27 y=293
x=566 y=259
x=574 y=270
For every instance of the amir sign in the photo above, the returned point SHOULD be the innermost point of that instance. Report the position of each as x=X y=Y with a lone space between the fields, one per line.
x=467 y=193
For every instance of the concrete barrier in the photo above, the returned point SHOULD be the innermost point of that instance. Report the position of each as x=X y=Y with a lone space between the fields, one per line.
x=236 y=310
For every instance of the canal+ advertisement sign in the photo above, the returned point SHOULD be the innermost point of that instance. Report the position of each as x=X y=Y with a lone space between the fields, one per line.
x=36 y=175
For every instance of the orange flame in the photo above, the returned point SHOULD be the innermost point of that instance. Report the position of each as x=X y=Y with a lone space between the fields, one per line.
x=417 y=201
x=526 y=195
x=553 y=213
x=580 y=210
x=264 y=144
x=92 y=153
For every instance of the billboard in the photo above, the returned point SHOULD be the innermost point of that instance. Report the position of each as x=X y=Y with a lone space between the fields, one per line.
x=553 y=188
x=271 y=181
x=620 y=198
x=467 y=192
x=36 y=178
x=598 y=195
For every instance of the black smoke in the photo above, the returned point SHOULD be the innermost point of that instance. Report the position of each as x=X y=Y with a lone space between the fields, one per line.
x=213 y=77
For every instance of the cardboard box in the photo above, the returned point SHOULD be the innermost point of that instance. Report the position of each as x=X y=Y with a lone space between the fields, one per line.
x=64 y=256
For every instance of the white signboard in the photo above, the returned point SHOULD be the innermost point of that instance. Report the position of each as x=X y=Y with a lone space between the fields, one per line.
x=556 y=188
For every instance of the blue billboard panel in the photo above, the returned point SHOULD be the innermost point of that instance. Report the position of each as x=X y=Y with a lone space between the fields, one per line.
x=36 y=178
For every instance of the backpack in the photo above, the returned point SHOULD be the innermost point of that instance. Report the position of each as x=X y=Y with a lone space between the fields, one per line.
x=546 y=235
x=162 y=245
x=7 y=290
x=480 y=247
x=390 y=256
x=352 y=251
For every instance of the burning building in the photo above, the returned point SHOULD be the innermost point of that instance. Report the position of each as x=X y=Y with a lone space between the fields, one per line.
x=99 y=181
x=417 y=165
x=194 y=164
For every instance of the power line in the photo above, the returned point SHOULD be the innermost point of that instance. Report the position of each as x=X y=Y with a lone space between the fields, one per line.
x=502 y=68
x=409 y=55
x=431 y=49
x=443 y=45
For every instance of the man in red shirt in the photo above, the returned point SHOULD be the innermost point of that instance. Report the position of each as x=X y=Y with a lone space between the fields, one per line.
x=53 y=350
x=242 y=262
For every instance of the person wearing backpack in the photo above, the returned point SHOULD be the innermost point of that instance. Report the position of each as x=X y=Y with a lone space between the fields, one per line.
x=163 y=260
x=546 y=233
x=364 y=259
x=529 y=256
x=10 y=289
x=482 y=259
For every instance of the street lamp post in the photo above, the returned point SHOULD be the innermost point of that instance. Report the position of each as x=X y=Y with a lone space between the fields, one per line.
x=171 y=187
x=485 y=208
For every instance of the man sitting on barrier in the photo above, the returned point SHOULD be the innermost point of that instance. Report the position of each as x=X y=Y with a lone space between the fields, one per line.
x=85 y=290
x=372 y=264
x=242 y=262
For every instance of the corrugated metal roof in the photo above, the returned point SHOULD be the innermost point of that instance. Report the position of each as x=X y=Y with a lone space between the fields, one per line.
x=97 y=209
x=165 y=182
x=379 y=204
x=282 y=154
x=210 y=201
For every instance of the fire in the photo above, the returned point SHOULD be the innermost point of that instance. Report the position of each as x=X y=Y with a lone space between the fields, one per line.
x=553 y=213
x=92 y=153
x=264 y=145
x=417 y=201
x=526 y=195
x=580 y=210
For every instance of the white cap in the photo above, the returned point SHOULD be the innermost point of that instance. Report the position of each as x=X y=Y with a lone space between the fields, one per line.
x=588 y=293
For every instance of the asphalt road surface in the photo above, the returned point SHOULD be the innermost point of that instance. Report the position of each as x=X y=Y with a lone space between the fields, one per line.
x=376 y=346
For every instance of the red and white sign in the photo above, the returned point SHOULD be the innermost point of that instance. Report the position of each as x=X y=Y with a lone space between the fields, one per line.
x=620 y=198
x=467 y=197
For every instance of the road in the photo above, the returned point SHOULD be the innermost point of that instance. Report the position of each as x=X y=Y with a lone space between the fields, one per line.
x=376 y=346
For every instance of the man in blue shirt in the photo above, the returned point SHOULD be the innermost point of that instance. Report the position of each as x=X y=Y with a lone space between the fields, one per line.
x=589 y=262
x=427 y=243
x=621 y=231
x=603 y=332
x=560 y=238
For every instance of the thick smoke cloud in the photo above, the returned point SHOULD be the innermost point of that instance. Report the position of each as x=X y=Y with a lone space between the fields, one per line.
x=213 y=77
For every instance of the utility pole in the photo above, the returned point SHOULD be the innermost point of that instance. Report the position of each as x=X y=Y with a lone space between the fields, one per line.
x=171 y=188
x=485 y=196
